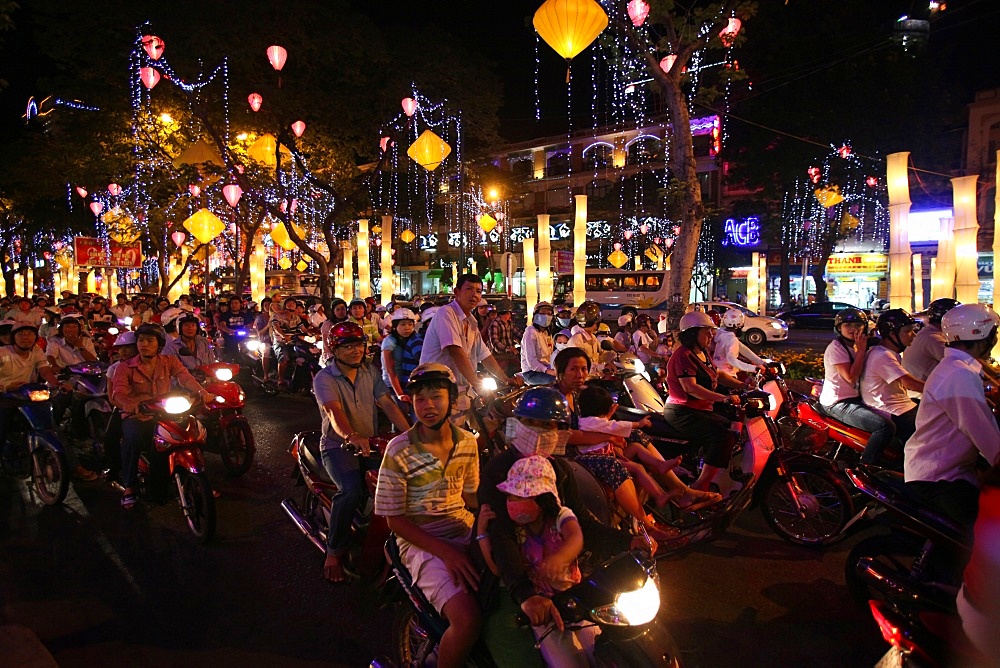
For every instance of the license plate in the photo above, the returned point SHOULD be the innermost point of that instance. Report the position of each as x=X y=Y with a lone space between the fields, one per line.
x=892 y=659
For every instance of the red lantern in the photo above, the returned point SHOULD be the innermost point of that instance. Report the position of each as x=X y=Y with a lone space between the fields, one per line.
x=178 y=238
x=638 y=10
x=153 y=46
x=384 y=143
x=96 y=207
x=668 y=242
x=628 y=234
x=409 y=106
x=378 y=241
x=644 y=228
x=871 y=181
x=194 y=190
x=728 y=34
x=232 y=193
x=668 y=62
x=114 y=189
x=150 y=76
x=844 y=151
x=81 y=191
x=298 y=127
x=255 y=101
x=294 y=206
x=276 y=55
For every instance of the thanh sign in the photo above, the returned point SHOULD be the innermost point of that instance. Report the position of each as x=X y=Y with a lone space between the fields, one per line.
x=858 y=263
x=92 y=252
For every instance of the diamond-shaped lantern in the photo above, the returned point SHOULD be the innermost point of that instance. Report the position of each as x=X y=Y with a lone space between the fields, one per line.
x=301 y=265
x=262 y=150
x=280 y=235
x=617 y=257
x=285 y=263
x=829 y=195
x=406 y=236
x=487 y=223
x=204 y=225
x=429 y=151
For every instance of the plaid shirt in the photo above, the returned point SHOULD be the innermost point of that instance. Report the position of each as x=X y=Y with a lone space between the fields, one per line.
x=500 y=336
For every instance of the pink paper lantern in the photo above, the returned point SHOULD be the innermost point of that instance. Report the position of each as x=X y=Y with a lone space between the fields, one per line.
x=668 y=242
x=178 y=238
x=383 y=143
x=298 y=127
x=409 y=106
x=153 y=46
x=97 y=207
x=628 y=234
x=232 y=193
x=255 y=101
x=194 y=190
x=644 y=228
x=277 y=55
x=638 y=10
x=81 y=191
x=668 y=62
x=677 y=230
x=114 y=189
x=728 y=34
x=150 y=76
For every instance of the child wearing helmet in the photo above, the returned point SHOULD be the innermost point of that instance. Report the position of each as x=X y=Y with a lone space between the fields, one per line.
x=426 y=487
x=729 y=348
x=537 y=347
x=843 y=363
x=401 y=351
x=884 y=381
x=585 y=335
x=928 y=347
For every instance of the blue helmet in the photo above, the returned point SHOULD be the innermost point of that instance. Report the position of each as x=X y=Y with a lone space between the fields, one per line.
x=543 y=403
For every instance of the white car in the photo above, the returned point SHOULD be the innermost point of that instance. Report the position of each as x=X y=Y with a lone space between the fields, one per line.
x=757 y=329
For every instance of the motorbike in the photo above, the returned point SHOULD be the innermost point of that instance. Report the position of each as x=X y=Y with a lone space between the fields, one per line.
x=33 y=450
x=924 y=639
x=900 y=566
x=180 y=437
x=228 y=431
x=620 y=596
x=254 y=349
x=304 y=356
x=90 y=387
x=313 y=516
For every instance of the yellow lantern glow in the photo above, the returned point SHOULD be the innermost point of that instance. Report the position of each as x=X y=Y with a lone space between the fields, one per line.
x=429 y=150
x=487 y=223
x=406 y=236
x=966 y=231
x=364 y=264
x=347 y=278
x=279 y=235
x=121 y=226
x=544 y=259
x=204 y=225
x=617 y=257
x=530 y=274
x=569 y=26
x=580 y=251
x=198 y=153
x=897 y=180
x=301 y=265
x=262 y=150
x=829 y=196
x=285 y=263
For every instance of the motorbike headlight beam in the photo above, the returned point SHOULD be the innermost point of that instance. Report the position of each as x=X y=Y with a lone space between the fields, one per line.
x=224 y=374
x=176 y=405
x=631 y=608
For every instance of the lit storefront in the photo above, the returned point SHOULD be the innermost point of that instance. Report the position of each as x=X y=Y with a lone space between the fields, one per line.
x=857 y=278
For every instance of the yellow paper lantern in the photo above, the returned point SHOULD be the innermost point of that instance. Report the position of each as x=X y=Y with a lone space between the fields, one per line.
x=121 y=226
x=285 y=263
x=569 y=26
x=204 y=225
x=280 y=235
x=301 y=265
x=262 y=150
x=617 y=257
x=198 y=153
x=829 y=196
x=64 y=260
x=487 y=223
x=429 y=150
x=407 y=236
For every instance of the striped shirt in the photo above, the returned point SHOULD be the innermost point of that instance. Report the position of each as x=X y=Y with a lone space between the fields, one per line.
x=413 y=483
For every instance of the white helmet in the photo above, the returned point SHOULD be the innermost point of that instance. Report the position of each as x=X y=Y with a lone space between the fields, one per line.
x=624 y=320
x=733 y=319
x=125 y=339
x=539 y=306
x=403 y=314
x=969 y=322
x=695 y=319
x=170 y=315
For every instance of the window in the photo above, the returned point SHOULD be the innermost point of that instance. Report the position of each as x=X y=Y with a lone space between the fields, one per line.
x=599 y=156
x=598 y=188
x=643 y=151
x=557 y=163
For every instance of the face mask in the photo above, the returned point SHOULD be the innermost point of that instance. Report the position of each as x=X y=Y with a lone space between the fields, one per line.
x=542 y=319
x=523 y=511
x=563 y=322
x=561 y=346
x=538 y=440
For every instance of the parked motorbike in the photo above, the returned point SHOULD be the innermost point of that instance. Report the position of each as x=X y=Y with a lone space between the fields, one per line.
x=228 y=431
x=313 y=516
x=181 y=437
x=33 y=450
x=924 y=639
x=90 y=388
x=621 y=596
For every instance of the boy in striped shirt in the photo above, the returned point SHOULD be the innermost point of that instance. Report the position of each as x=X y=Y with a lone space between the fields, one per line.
x=426 y=486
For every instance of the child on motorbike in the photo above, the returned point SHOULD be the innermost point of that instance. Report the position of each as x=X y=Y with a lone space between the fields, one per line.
x=401 y=352
x=551 y=540
x=426 y=485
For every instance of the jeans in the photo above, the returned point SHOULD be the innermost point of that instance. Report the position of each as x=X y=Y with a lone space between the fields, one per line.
x=137 y=435
x=855 y=414
x=347 y=471
x=906 y=425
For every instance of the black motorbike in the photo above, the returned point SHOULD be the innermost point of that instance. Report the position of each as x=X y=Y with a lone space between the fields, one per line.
x=34 y=451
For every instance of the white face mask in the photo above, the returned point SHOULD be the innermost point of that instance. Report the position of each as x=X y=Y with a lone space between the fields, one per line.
x=563 y=322
x=538 y=440
x=542 y=319
x=561 y=346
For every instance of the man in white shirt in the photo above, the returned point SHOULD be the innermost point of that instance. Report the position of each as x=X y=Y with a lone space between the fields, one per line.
x=954 y=423
x=584 y=335
x=70 y=346
x=537 y=347
x=643 y=340
x=728 y=347
x=122 y=309
x=928 y=347
x=884 y=381
x=26 y=312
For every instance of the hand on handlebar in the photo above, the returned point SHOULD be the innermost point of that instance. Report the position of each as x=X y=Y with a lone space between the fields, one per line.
x=734 y=399
x=361 y=443
x=541 y=610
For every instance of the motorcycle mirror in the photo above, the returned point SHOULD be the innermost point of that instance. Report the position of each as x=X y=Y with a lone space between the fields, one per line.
x=607 y=345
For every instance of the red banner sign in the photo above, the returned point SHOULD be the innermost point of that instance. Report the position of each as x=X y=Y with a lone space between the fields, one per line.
x=563 y=262
x=91 y=252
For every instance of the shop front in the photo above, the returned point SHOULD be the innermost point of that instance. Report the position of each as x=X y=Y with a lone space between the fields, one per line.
x=857 y=278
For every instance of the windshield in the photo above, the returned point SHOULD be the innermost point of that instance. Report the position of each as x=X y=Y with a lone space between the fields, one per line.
x=644 y=395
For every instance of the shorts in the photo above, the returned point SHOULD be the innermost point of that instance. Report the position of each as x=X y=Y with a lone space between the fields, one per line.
x=283 y=351
x=430 y=573
x=605 y=468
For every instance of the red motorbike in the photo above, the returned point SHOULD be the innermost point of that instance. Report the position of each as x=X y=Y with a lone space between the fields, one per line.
x=180 y=437
x=228 y=431
x=313 y=516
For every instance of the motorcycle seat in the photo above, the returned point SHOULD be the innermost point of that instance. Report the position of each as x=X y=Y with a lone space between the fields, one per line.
x=835 y=424
x=309 y=446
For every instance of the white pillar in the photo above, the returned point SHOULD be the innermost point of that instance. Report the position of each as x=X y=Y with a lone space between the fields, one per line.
x=347 y=277
x=364 y=268
x=530 y=277
x=544 y=259
x=919 y=303
x=580 y=252
x=966 y=229
x=943 y=268
x=897 y=179
x=388 y=282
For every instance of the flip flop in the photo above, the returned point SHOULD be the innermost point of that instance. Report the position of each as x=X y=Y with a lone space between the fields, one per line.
x=699 y=500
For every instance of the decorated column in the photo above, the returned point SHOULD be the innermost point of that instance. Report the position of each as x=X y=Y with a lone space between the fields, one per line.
x=530 y=277
x=943 y=268
x=388 y=283
x=919 y=303
x=897 y=180
x=580 y=252
x=996 y=241
x=966 y=229
x=347 y=280
x=364 y=270
x=258 y=282
x=753 y=277
x=544 y=259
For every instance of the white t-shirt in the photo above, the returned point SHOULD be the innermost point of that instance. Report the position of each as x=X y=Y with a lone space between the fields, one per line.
x=882 y=384
x=640 y=339
x=727 y=353
x=17 y=370
x=835 y=388
x=925 y=352
x=603 y=425
x=536 y=350
x=586 y=341
x=66 y=355
x=450 y=326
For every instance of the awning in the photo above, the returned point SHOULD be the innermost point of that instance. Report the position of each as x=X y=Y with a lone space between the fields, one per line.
x=435 y=273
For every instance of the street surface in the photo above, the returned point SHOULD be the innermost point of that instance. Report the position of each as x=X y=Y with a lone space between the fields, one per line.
x=100 y=585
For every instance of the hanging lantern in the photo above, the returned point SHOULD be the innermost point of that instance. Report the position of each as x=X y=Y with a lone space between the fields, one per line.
x=569 y=26
x=829 y=195
x=728 y=34
x=668 y=62
x=279 y=235
x=298 y=127
x=644 y=228
x=383 y=143
x=232 y=193
x=195 y=190
x=114 y=189
x=255 y=101
x=276 y=55
x=153 y=46
x=628 y=234
x=677 y=230
x=638 y=10
x=429 y=150
x=150 y=77
x=871 y=181
x=668 y=242
x=97 y=207
x=262 y=150
x=81 y=191
x=204 y=225
x=178 y=238
x=617 y=257
x=844 y=151
x=301 y=265
x=406 y=236
x=409 y=106
x=487 y=223
x=285 y=263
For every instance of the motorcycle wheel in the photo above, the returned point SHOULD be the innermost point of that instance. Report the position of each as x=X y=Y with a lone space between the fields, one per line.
x=828 y=508
x=200 y=505
x=50 y=473
x=237 y=447
x=413 y=645
x=893 y=555
x=98 y=423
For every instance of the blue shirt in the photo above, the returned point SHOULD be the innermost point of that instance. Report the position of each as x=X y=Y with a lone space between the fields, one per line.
x=358 y=400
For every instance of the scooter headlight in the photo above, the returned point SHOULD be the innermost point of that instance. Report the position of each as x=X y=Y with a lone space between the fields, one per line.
x=39 y=395
x=631 y=608
x=127 y=321
x=176 y=405
x=253 y=345
x=309 y=339
x=224 y=374
x=489 y=384
x=772 y=402
x=113 y=331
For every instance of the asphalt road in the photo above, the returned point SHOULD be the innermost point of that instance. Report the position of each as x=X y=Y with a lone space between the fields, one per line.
x=100 y=585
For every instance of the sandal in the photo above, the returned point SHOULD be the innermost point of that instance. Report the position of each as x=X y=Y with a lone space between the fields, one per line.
x=86 y=475
x=697 y=500
x=129 y=500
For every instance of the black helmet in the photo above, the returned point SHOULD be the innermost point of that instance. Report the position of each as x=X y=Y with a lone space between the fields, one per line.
x=893 y=320
x=589 y=314
x=937 y=308
x=357 y=301
x=851 y=314
x=543 y=403
x=152 y=329
x=337 y=302
x=432 y=372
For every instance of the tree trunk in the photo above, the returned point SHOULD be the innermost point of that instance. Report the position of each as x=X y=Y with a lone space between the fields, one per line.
x=785 y=285
x=816 y=271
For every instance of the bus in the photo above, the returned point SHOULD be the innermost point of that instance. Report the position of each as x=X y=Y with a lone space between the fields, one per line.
x=615 y=288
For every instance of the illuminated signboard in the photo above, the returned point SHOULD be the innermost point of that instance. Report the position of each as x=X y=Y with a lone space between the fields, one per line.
x=742 y=233
x=926 y=225
x=428 y=242
x=557 y=232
